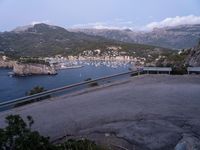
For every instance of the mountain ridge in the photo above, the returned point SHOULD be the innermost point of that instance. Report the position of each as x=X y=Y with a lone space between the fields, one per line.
x=46 y=40
x=176 y=37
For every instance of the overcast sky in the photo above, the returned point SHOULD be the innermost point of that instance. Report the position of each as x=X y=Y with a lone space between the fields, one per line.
x=135 y=14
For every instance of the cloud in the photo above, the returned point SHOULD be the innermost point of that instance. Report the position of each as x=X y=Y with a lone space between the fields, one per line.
x=178 y=20
x=38 y=22
x=116 y=24
x=120 y=24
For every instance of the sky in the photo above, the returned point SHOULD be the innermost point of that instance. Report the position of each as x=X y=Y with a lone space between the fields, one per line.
x=134 y=14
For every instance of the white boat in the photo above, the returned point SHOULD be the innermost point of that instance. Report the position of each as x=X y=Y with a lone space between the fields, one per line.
x=11 y=74
x=71 y=67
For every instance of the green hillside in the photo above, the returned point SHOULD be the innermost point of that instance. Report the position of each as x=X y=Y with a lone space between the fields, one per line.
x=46 y=40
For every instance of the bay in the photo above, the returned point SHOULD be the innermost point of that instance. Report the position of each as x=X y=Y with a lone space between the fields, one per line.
x=16 y=87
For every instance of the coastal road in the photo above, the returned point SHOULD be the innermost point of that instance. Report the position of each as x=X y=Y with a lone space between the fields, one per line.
x=148 y=112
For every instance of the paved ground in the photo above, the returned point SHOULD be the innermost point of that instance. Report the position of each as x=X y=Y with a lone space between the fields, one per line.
x=149 y=112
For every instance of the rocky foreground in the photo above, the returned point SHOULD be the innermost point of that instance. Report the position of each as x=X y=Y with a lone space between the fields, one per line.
x=150 y=112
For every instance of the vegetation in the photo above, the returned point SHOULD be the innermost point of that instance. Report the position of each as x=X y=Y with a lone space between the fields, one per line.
x=176 y=61
x=133 y=74
x=93 y=84
x=88 y=79
x=35 y=90
x=32 y=60
x=41 y=40
x=18 y=135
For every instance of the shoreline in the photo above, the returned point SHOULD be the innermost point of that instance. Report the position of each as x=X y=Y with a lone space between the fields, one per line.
x=28 y=69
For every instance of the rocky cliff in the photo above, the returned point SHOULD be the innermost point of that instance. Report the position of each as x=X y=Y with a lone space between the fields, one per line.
x=6 y=63
x=33 y=69
x=180 y=61
x=193 y=58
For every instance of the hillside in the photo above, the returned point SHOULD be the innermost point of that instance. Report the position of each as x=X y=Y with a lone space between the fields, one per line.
x=180 y=61
x=178 y=37
x=44 y=40
x=47 y=40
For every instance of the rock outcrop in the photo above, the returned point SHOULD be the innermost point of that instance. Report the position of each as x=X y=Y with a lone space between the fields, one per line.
x=24 y=69
x=7 y=64
x=193 y=58
x=183 y=59
x=33 y=69
x=188 y=142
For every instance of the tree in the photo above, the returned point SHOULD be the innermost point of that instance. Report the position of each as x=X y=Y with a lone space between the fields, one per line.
x=36 y=90
x=18 y=135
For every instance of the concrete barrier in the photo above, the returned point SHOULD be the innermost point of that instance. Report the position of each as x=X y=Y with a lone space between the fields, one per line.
x=193 y=70
x=157 y=69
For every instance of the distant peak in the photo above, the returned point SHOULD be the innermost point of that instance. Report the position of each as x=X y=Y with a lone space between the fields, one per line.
x=43 y=25
x=22 y=28
x=128 y=30
x=35 y=27
x=46 y=26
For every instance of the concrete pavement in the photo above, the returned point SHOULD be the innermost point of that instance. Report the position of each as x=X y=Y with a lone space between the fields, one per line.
x=144 y=112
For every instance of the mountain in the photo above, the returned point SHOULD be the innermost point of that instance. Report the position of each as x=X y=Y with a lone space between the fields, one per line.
x=43 y=39
x=178 y=37
x=47 y=40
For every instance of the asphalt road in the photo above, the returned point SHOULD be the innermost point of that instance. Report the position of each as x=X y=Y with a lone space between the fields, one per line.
x=144 y=112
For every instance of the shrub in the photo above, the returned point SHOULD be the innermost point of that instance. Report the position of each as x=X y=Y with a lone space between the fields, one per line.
x=93 y=84
x=88 y=79
x=179 y=70
x=32 y=60
x=35 y=90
